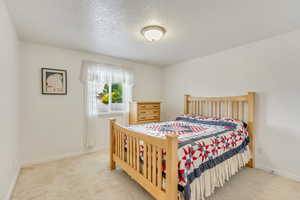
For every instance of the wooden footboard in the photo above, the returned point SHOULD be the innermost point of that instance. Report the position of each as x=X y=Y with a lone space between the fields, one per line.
x=125 y=151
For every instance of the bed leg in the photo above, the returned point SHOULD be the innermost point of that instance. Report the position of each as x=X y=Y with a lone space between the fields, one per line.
x=250 y=164
x=112 y=144
x=172 y=167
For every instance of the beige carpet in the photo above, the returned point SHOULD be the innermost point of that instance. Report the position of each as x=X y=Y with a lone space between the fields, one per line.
x=88 y=178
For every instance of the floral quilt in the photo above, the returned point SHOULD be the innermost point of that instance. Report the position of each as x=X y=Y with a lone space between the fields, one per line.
x=203 y=143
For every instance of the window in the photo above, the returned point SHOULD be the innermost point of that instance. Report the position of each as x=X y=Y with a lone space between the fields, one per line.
x=108 y=89
x=107 y=97
x=111 y=94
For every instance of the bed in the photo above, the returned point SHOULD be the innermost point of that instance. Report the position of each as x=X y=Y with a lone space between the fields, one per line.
x=191 y=156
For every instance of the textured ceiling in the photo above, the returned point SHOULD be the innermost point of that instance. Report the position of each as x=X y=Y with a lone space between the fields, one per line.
x=112 y=27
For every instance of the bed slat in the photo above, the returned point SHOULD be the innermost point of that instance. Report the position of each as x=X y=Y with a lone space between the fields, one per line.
x=154 y=166
x=117 y=142
x=149 y=162
x=241 y=110
x=134 y=153
x=138 y=155
x=159 y=168
x=145 y=160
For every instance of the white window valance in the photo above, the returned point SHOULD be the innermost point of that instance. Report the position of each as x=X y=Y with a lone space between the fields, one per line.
x=97 y=72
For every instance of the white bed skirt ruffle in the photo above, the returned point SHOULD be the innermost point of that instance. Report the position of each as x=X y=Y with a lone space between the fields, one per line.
x=205 y=185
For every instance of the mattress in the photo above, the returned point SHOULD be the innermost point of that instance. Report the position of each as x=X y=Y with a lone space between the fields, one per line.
x=204 y=146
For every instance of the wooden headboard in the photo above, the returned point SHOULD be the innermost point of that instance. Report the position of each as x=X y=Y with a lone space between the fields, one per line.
x=236 y=107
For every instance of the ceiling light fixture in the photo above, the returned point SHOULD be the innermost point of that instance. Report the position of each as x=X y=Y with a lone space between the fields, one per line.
x=153 y=33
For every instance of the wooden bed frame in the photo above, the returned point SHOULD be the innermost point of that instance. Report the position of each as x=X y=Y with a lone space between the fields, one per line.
x=149 y=175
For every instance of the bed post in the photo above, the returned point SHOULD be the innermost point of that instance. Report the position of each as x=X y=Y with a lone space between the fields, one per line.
x=172 y=167
x=251 y=107
x=186 y=104
x=112 y=144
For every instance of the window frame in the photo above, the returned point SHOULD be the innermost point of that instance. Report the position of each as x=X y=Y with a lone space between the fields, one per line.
x=95 y=76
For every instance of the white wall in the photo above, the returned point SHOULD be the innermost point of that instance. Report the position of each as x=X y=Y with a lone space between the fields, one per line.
x=54 y=126
x=8 y=103
x=272 y=69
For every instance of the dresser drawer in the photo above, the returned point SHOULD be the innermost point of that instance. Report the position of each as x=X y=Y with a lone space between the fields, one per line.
x=149 y=112
x=148 y=106
x=148 y=117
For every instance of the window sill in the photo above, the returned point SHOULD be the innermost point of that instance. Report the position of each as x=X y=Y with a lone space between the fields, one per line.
x=110 y=114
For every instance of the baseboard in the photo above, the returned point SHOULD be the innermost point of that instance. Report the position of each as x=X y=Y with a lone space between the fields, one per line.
x=279 y=172
x=13 y=184
x=55 y=158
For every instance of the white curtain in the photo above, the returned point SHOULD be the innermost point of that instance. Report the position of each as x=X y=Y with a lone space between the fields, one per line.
x=94 y=76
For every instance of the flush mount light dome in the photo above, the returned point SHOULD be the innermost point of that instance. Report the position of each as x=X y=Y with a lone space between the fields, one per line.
x=153 y=33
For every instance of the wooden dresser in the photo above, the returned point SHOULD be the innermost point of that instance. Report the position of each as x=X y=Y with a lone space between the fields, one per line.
x=144 y=112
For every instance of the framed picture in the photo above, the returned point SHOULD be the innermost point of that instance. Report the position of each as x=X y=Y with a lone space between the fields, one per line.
x=54 y=81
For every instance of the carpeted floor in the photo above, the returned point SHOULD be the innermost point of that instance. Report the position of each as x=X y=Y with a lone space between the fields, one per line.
x=88 y=178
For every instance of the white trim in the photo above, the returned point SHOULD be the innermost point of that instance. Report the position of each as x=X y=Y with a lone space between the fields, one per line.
x=13 y=184
x=58 y=157
x=279 y=172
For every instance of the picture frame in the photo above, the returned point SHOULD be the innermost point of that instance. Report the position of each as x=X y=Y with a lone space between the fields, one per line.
x=54 y=81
